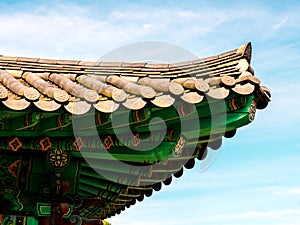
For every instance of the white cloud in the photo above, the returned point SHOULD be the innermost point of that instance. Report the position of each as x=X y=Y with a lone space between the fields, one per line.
x=280 y=24
x=73 y=31
x=235 y=195
x=206 y=211
x=287 y=191
x=289 y=216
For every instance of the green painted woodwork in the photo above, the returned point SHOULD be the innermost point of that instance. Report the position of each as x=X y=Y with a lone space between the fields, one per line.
x=43 y=209
x=35 y=123
x=15 y=220
x=38 y=151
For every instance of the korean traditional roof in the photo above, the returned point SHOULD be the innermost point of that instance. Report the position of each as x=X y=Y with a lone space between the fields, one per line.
x=51 y=84
x=78 y=86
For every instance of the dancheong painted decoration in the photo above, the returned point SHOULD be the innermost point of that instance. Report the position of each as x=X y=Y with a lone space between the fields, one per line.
x=82 y=141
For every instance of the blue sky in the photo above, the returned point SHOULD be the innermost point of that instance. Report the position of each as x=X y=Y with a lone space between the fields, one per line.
x=255 y=177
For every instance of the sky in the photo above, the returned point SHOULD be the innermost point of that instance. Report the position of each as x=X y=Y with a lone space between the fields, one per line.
x=255 y=177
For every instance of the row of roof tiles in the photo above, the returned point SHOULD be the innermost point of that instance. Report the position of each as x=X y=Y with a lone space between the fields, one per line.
x=108 y=85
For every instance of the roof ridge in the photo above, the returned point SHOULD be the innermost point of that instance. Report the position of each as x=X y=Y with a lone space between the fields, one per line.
x=242 y=50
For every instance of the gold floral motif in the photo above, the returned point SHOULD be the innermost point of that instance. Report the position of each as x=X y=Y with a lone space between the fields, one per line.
x=58 y=158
